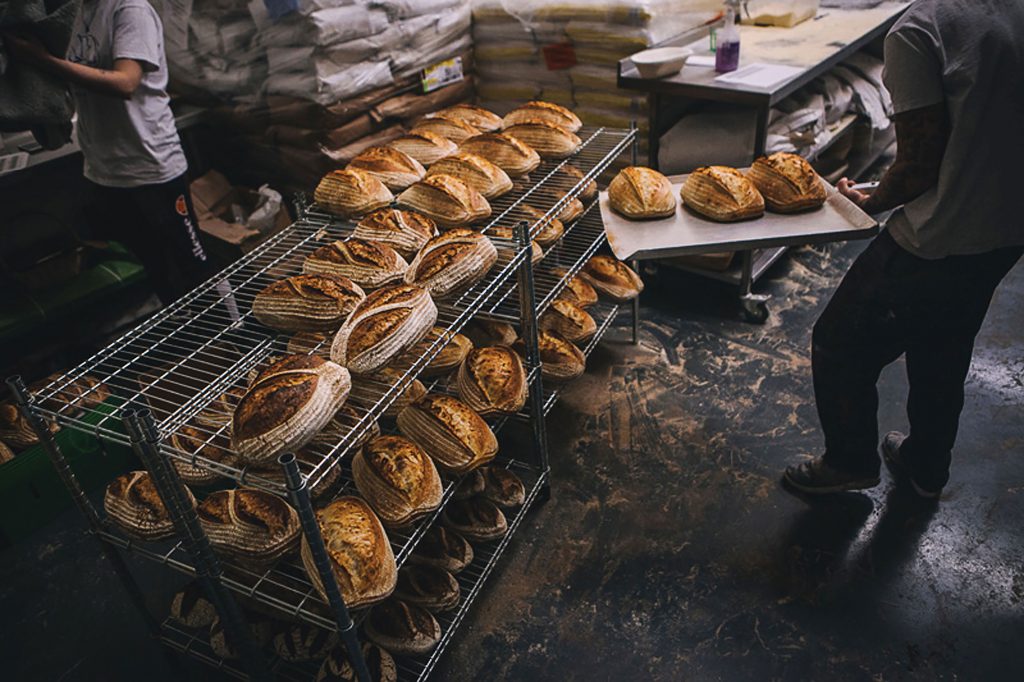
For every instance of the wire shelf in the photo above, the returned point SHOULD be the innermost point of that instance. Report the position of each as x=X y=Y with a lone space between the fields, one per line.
x=191 y=361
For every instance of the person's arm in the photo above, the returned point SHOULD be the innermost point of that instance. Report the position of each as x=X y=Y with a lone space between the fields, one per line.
x=121 y=81
x=921 y=137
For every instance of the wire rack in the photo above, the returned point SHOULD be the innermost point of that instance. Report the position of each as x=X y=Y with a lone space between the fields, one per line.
x=191 y=362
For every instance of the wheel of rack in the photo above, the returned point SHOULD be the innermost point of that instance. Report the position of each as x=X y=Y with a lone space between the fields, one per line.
x=176 y=365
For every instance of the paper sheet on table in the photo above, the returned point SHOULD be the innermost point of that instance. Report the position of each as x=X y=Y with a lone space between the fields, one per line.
x=760 y=75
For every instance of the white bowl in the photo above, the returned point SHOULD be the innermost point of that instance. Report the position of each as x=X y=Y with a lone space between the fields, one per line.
x=661 y=61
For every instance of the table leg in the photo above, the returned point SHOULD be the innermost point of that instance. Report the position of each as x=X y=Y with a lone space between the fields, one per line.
x=753 y=307
x=761 y=131
x=636 y=306
x=654 y=129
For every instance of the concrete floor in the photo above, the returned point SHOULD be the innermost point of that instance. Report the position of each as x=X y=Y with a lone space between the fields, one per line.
x=669 y=550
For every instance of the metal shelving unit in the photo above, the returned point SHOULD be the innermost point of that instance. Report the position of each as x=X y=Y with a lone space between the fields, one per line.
x=179 y=374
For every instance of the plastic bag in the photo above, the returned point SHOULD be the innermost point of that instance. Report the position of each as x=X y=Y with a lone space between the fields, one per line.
x=264 y=216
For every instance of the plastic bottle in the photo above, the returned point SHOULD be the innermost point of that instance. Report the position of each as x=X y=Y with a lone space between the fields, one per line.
x=727 y=49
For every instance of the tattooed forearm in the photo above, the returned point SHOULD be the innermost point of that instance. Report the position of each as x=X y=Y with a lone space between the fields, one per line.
x=921 y=137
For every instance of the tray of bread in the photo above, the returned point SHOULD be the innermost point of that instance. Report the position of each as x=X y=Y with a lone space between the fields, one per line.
x=778 y=201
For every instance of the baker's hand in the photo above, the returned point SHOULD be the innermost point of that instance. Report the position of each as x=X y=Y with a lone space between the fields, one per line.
x=26 y=48
x=845 y=188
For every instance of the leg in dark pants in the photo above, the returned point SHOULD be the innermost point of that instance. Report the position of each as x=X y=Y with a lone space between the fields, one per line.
x=890 y=303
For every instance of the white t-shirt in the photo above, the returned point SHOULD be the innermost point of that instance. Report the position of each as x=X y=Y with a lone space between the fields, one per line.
x=133 y=142
x=968 y=54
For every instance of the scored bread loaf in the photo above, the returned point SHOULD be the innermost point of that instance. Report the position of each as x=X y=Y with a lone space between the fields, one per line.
x=338 y=668
x=133 y=503
x=476 y=171
x=216 y=415
x=451 y=432
x=787 y=182
x=305 y=343
x=576 y=290
x=484 y=332
x=16 y=431
x=560 y=359
x=611 y=278
x=341 y=426
x=452 y=262
x=303 y=643
x=502 y=487
x=193 y=443
x=476 y=518
x=478 y=117
x=471 y=485
x=504 y=151
x=722 y=194
x=286 y=407
x=424 y=146
x=443 y=548
x=351 y=193
x=507 y=233
x=549 y=232
x=191 y=608
x=569 y=320
x=362 y=561
x=569 y=177
x=311 y=302
x=429 y=587
x=253 y=527
x=571 y=210
x=370 y=389
x=446 y=200
x=544 y=111
x=640 y=193
x=398 y=479
x=404 y=231
x=549 y=140
x=396 y=169
x=453 y=351
x=454 y=129
x=386 y=324
x=492 y=380
x=368 y=264
x=403 y=628
x=6 y=454
x=309 y=457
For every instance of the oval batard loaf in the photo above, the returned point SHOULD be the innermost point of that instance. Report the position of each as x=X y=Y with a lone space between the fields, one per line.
x=337 y=667
x=309 y=457
x=544 y=111
x=287 y=406
x=549 y=140
x=612 y=278
x=570 y=177
x=398 y=479
x=362 y=561
x=508 y=153
x=454 y=129
x=254 y=527
x=428 y=587
x=483 y=332
x=548 y=233
x=369 y=264
x=451 y=432
x=404 y=231
x=560 y=359
x=502 y=487
x=443 y=548
x=303 y=643
x=351 y=193
x=571 y=210
x=576 y=290
x=194 y=442
x=403 y=628
x=478 y=117
x=722 y=194
x=569 y=320
x=424 y=146
x=492 y=380
x=310 y=302
x=508 y=234
x=471 y=485
x=446 y=200
x=369 y=389
x=133 y=503
x=191 y=608
x=640 y=193
x=787 y=182
x=396 y=169
x=476 y=171
x=342 y=424
x=307 y=343
x=453 y=350
x=476 y=518
x=452 y=262
x=390 y=321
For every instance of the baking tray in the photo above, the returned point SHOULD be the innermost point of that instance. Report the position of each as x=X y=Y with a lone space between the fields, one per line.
x=687 y=233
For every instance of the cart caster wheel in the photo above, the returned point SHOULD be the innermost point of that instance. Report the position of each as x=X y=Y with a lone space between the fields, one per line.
x=754 y=309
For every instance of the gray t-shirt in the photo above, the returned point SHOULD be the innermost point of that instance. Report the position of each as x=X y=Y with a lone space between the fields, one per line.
x=970 y=55
x=126 y=143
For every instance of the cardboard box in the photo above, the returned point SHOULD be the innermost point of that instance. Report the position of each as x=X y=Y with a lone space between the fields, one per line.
x=213 y=197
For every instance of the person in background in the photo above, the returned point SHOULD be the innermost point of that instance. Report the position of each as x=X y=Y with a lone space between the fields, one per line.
x=134 y=162
x=955 y=70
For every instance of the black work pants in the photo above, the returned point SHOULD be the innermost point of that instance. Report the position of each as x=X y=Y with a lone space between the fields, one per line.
x=890 y=303
x=158 y=224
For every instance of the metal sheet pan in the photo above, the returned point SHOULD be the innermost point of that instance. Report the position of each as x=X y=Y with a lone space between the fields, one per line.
x=687 y=233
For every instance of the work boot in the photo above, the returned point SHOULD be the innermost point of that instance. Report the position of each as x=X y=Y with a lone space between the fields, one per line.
x=815 y=477
x=900 y=469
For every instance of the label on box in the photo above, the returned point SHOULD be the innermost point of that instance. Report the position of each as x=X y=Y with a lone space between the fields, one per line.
x=558 y=56
x=442 y=74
